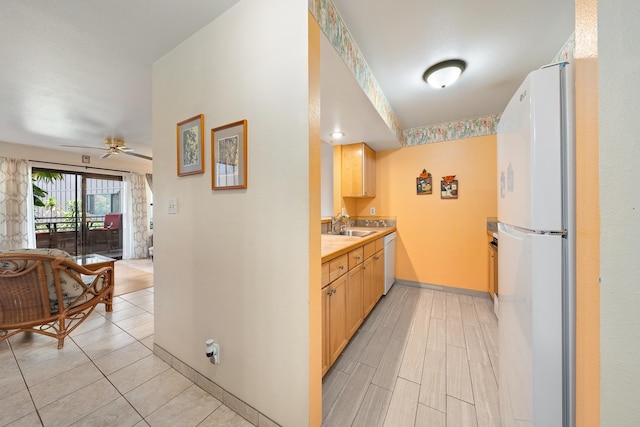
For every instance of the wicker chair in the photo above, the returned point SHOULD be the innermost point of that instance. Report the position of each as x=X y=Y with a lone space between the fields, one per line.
x=48 y=294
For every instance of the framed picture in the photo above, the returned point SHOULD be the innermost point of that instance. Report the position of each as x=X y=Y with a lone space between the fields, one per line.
x=229 y=156
x=190 y=142
x=423 y=185
x=449 y=187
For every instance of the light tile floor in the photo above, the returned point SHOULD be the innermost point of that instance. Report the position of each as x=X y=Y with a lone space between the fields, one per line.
x=106 y=375
x=421 y=358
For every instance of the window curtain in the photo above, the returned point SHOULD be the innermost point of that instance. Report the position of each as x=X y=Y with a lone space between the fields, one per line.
x=135 y=223
x=16 y=205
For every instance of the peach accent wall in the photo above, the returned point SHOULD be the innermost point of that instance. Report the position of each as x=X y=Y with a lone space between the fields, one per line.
x=440 y=241
x=587 y=217
x=315 y=303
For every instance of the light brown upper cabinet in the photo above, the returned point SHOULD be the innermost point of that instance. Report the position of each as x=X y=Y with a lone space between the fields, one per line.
x=358 y=170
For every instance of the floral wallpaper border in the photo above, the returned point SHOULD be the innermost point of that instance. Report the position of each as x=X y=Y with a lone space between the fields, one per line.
x=459 y=129
x=336 y=31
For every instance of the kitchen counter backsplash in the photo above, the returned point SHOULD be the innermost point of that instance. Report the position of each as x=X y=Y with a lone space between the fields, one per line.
x=373 y=221
x=363 y=221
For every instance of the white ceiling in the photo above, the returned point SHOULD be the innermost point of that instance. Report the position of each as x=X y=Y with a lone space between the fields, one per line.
x=75 y=72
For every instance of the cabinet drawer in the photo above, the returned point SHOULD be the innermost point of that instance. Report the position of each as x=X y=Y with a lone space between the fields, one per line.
x=369 y=249
x=355 y=257
x=325 y=275
x=337 y=267
x=380 y=244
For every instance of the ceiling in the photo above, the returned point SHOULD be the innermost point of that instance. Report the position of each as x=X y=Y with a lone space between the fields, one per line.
x=500 y=40
x=75 y=72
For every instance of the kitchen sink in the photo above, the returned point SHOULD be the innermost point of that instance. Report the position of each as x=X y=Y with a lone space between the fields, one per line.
x=353 y=233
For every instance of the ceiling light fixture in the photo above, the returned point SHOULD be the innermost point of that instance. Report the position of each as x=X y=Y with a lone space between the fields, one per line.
x=337 y=134
x=444 y=73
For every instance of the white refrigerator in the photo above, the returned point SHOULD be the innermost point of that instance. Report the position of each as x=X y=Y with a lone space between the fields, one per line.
x=536 y=268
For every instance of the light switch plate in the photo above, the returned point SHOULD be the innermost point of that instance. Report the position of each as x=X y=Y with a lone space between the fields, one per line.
x=372 y=211
x=173 y=206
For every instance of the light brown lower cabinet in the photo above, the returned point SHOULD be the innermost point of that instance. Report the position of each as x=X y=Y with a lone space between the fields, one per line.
x=334 y=324
x=355 y=279
x=373 y=284
x=378 y=275
x=349 y=298
x=368 y=290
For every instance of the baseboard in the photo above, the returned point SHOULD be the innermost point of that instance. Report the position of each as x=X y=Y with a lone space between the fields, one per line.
x=451 y=289
x=246 y=411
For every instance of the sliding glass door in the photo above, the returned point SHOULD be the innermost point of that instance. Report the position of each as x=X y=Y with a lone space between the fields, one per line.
x=79 y=213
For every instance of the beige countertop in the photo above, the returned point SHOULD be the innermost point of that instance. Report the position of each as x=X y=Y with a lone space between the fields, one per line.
x=335 y=245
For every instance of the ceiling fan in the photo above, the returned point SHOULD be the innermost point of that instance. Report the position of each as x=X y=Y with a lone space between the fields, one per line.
x=114 y=146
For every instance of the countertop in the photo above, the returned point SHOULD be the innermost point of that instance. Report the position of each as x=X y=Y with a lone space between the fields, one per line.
x=334 y=245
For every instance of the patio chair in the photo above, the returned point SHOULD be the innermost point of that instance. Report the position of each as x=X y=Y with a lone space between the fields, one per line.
x=110 y=231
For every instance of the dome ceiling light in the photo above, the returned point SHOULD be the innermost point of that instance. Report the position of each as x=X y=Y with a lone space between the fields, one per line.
x=444 y=73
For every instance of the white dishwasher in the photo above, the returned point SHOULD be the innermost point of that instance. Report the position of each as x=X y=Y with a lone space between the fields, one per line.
x=389 y=261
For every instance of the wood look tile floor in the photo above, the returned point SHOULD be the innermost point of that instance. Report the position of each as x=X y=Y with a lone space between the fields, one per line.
x=106 y=374
x=421 y=358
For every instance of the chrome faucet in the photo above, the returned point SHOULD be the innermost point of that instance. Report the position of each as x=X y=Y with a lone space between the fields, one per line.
x=336 y=219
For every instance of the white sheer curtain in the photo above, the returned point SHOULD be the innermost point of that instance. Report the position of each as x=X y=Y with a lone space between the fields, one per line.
x=16 y=204
x=135 y=234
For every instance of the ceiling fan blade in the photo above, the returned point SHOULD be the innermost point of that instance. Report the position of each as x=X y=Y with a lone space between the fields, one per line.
x=142 y=156
x=124 y=149
x=82 y=146
x=105 y=155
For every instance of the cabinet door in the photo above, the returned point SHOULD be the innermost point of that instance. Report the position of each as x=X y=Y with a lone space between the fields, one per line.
x=369 y=187
x=325 y=296
x=337 y=318
x=358 y=171
x=378 y=268
x=369 y=286
x=354 y=300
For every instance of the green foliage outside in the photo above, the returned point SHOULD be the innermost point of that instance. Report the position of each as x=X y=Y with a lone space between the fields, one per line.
x=39 y=195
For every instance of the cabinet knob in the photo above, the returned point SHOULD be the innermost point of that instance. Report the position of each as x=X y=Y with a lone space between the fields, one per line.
x=341 y=267
x=357 y=256
x=364 y=268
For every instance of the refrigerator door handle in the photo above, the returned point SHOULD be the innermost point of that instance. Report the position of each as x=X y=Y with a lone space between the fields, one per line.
x=540 y=232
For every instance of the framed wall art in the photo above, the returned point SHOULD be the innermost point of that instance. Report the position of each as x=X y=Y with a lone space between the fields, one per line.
x=423 y=183
x=229 y=156
x=190 y=145
x=449 y=187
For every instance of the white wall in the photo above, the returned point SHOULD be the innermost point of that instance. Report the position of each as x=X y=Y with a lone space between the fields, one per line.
x=619 y=104
x=234 y=265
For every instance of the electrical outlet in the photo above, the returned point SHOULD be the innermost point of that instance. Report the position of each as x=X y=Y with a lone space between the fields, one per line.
x=372 y=211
